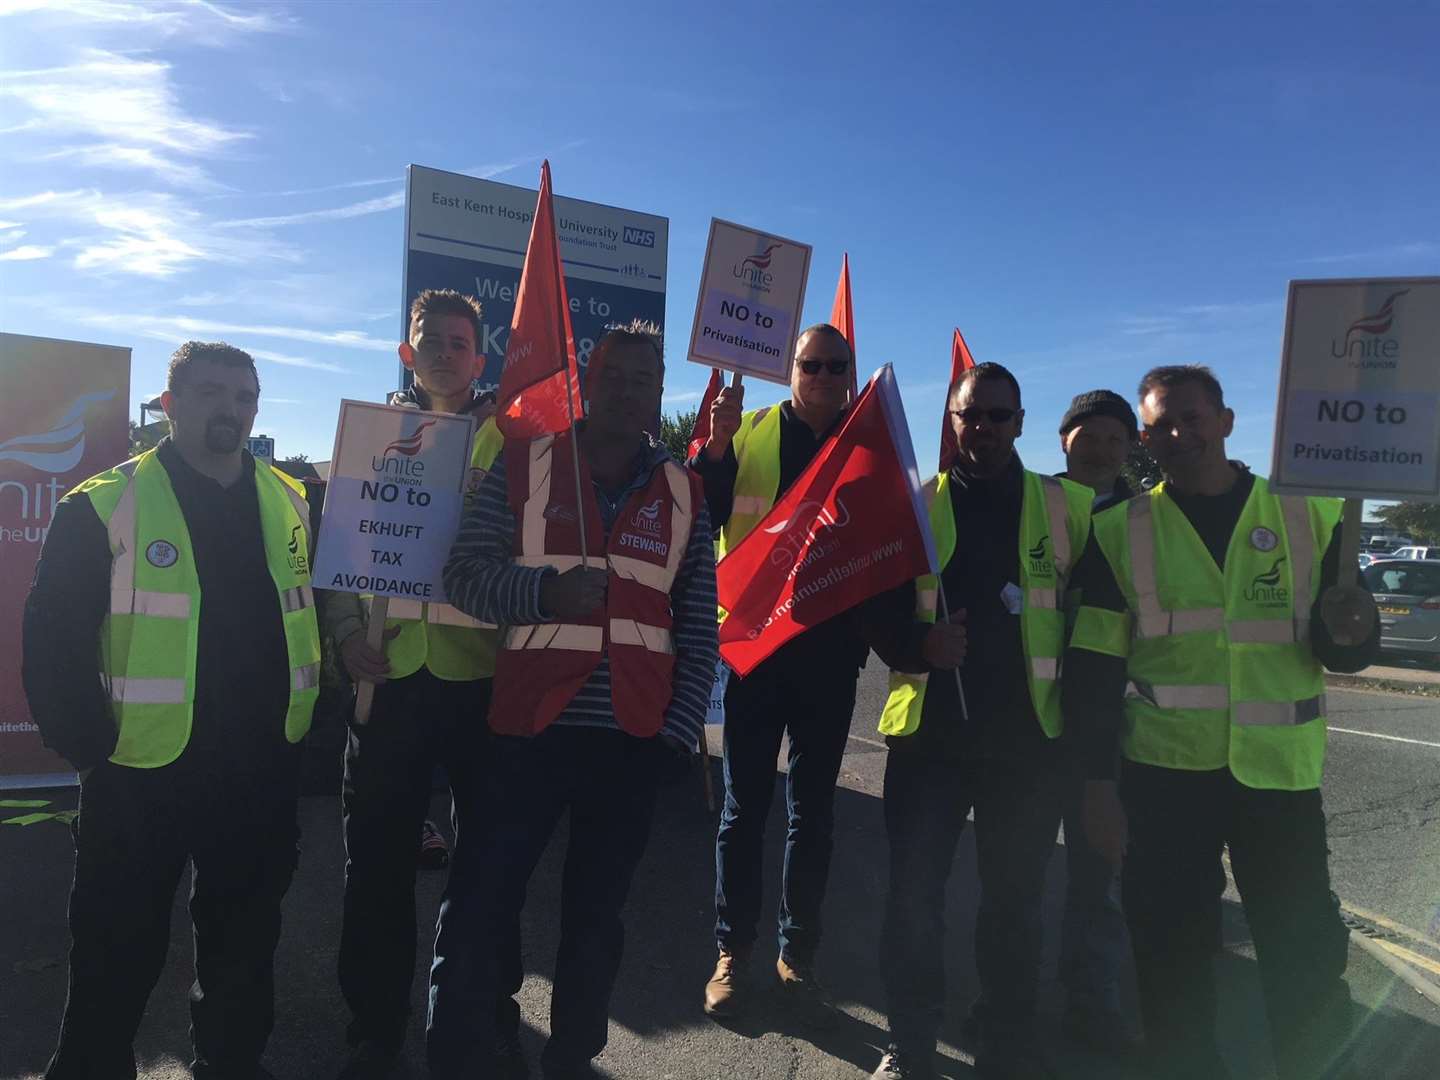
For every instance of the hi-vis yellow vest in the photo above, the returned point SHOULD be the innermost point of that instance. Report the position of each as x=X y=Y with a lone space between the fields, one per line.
x=1054 y=525
x=1220 y=668
x=148 y=641
x=453 y=645
x=757 y=483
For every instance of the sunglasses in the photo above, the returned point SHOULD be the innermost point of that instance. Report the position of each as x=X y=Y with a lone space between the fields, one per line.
x=974 y=414
x=834 y=367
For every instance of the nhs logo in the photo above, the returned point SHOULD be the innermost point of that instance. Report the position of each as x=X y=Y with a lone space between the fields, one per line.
x=639 y=237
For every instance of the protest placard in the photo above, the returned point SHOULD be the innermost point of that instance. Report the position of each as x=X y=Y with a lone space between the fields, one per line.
x=1358 y=412
x=752 y=292
x=393 y=501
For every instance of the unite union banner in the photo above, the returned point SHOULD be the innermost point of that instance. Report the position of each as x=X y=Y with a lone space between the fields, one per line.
x=63 y=412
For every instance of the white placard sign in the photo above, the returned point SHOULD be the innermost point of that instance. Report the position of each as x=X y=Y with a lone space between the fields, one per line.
x=393 y=500
x=752 y=291
x=1358 y=414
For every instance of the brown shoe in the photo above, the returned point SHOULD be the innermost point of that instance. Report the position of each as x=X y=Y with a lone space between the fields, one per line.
x=722 y=993
x=803 y=990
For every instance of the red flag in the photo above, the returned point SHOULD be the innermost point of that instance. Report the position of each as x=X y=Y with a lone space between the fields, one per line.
x=842 y=316
x=960 y=360
x=540 y=384
x=852 y=525
x=702 y=418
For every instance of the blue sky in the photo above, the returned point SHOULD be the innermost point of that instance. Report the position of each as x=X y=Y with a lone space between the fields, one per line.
x=1086 y=190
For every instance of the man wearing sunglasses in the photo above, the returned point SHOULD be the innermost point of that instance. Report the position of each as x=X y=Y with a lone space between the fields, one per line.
x=1006 y=538
x=806 y=689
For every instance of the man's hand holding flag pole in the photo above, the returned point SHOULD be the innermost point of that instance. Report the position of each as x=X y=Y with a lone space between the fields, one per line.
x=852 y=525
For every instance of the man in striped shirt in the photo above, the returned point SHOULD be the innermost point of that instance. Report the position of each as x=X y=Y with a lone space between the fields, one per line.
x=597 y=756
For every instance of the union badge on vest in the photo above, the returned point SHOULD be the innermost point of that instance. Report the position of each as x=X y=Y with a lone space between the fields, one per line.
x=1263 y=539
x=162 y=554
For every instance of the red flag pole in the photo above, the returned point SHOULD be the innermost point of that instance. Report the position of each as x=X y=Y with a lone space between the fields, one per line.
x=945 y=614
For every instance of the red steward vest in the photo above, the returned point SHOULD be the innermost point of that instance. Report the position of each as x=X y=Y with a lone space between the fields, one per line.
x=541 y=667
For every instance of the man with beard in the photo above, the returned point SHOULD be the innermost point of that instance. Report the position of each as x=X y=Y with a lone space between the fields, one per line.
x=171 y=654
x=1006 y=539
x=1194 y=677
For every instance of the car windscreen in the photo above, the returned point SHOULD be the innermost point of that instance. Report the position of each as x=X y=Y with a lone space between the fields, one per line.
x=1402 y=578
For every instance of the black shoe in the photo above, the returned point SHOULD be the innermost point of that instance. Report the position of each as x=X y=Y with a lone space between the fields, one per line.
x=370 y=1060
x=510 y=1061
x=1102 y=1031
x=434 y=853
x=897 y=1064
x=1017 y=1062
x=203 y=1070
x=582 y=1071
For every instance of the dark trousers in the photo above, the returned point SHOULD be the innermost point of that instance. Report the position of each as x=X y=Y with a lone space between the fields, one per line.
x=1173 y=881
x=1092 y=932
x=607 y=781
x=814 y=709
x=415 y=723
x=1017 y=812
x=136 y=830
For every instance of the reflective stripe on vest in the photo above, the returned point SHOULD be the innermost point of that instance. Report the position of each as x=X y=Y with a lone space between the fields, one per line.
x=150 y=633
x=1229 y=684
x=1055 y=519
x=542 y=666
x=451 y=645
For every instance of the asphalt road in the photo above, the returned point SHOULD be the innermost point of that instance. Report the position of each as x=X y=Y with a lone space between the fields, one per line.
x=1381 y=795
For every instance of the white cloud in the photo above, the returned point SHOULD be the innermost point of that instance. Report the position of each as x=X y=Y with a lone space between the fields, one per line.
x=26 y=252
x=152 y=234
x=297 y=361
x=49 y=202
x=117 y=98
x=1414 y=249
x=143 y=158
x=197 y=19
x=175 y=327
x=11 y=235
x=393 y=201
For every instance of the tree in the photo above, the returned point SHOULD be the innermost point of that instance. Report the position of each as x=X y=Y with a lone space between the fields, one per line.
x=676 y=431
x=1140 y=470
x=1420 y=521
x=297 y=459
x=147 y=437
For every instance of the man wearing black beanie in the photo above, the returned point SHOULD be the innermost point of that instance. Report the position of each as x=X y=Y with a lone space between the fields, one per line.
x=1096 y=436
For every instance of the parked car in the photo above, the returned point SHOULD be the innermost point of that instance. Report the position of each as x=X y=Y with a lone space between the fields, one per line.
x=1407 y=592
x=1414 y=552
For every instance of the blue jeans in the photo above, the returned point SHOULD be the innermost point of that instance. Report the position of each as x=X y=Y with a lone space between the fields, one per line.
x=607 y=781
x=759 y=710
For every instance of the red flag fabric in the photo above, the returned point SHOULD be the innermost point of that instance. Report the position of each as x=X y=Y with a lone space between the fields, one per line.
x=842 y=317
x=960 y=360
x=852 y=525
x=540 y=384
x=701 y=433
